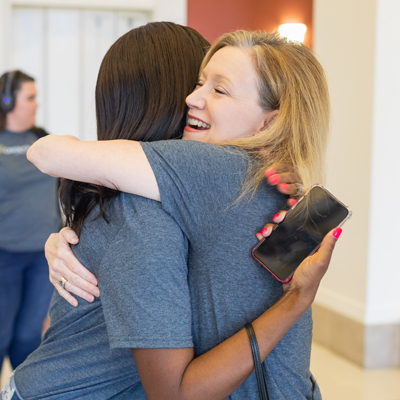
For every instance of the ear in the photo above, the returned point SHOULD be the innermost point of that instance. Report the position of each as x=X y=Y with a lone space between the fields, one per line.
x=269 y=119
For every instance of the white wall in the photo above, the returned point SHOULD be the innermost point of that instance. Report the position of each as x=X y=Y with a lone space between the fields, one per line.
x=357 y=42
x=344 y=42
x=383 y=294
x=61 y=43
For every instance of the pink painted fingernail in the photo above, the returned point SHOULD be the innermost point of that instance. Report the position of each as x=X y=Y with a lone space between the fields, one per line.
x=275 y=216
x=274 y=179
x=292 y=202
x=270 y=172
x=284 y=186
x=264 y=230
x=337 y=232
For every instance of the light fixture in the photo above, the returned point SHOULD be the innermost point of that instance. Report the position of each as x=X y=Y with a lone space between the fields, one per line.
x=294 y=32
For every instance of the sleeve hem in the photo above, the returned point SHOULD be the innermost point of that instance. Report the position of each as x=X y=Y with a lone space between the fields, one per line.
x=155 y=343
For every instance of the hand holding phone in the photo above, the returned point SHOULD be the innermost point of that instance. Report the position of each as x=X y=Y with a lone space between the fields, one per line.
x=301 y=233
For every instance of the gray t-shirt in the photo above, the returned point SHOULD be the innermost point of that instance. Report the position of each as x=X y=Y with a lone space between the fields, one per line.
x=28 y=198
x=200 y=185
x=150 y=299
x=144 y=302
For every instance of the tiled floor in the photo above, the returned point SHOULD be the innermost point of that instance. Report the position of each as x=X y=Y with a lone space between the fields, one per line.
x=340 y=379
x=337 y=378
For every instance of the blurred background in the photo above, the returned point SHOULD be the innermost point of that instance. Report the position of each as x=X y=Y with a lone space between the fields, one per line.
x=357 y=312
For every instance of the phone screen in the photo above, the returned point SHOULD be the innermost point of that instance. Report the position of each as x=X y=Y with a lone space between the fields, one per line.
x=301 y=232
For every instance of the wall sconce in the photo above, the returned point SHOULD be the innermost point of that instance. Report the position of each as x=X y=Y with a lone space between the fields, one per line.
x=294 y=32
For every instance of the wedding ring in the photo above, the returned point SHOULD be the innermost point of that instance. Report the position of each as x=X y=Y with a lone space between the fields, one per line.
x=62 y=281
x=300 y=189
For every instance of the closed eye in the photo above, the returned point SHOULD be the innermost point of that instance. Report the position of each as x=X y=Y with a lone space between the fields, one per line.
x=219 y=91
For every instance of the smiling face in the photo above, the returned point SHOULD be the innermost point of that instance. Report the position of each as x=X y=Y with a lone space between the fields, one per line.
x=225 y=104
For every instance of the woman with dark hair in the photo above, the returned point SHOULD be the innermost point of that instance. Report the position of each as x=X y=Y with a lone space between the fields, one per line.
x=28 y=214
x=83 y=353
x=256 y=91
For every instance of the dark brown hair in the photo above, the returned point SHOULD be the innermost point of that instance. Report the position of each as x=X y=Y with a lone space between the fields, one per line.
x=140 y=95
x=17 y=80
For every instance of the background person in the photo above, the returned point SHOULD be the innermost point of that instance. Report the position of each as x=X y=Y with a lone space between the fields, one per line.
x=28 y=213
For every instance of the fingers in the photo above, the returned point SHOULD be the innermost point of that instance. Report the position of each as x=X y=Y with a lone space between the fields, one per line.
x=290 y=189
x=279 y=177
x=69 y=235
x=268 y=228
x=62 y=260
x=72 y=270
x=279 y=217
x=82 y=293
x=265 y=232
x=285 y=178
x=67 y=296
x=286 y=183
x=63 y=263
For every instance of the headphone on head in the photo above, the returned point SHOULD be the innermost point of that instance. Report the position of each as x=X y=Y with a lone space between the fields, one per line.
x=7 y=97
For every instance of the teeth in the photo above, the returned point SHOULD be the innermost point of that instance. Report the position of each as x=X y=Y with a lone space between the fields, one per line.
x=196 y=122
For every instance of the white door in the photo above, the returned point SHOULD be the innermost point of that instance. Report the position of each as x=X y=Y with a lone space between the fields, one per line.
x=62 y=49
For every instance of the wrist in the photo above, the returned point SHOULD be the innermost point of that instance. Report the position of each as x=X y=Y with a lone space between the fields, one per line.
x=301 y=297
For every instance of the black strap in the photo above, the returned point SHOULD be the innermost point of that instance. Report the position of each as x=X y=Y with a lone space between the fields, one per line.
x=261 y=382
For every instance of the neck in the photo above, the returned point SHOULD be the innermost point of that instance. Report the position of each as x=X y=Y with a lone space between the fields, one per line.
x=15 y=126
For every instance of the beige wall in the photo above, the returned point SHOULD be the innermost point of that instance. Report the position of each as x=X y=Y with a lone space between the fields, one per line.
x=358 y=42
x=344 y=40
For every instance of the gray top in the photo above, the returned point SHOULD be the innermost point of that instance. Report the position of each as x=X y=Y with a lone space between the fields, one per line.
x=28 y=198
x=150 y=299
x=200 y=185
x=144 y=302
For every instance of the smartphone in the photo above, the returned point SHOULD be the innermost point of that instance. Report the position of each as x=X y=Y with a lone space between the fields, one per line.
x=301 y=232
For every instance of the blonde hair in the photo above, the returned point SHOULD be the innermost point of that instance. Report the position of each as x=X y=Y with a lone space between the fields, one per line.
x=292 y=81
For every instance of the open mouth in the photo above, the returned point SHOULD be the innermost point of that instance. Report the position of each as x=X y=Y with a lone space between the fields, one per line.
x=197 y=124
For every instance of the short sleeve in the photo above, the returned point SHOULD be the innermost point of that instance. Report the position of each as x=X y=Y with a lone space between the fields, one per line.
x=143 y=281
x=197 y=181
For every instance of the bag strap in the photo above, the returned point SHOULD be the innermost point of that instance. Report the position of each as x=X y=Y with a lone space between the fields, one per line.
x=261 y=382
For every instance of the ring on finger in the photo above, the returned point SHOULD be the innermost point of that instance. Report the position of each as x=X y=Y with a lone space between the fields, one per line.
x=300 y=189
x=62 y=281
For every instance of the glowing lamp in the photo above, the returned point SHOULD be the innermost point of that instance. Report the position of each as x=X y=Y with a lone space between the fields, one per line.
x=294 y=32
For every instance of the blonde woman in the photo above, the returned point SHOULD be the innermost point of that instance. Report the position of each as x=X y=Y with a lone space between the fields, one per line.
x=255 y=91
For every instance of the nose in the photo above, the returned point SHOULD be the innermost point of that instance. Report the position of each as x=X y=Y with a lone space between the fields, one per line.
x=196 y=100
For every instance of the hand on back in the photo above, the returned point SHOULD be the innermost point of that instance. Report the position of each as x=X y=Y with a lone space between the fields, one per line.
x=63 y=263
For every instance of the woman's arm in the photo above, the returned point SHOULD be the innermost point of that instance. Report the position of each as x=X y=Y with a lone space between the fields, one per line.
x=116 y=164
x=176 y=374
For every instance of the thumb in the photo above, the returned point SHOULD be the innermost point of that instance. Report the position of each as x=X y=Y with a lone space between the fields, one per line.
x=324 y=254
x=69 y=235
